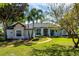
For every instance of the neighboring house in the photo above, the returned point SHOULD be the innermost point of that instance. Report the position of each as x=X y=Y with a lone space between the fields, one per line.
x=20 y=31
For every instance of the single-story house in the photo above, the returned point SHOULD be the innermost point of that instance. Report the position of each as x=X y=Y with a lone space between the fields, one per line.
x=20 y=31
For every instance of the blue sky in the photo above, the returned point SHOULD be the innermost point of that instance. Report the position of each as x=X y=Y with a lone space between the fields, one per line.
x=42 y=6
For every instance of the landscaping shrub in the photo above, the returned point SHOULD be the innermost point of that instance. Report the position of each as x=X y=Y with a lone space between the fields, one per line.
x=35 y=39
x=2 y=39
x=56 y=50
x=41 y=36
x=1 y=33
x=28 y=43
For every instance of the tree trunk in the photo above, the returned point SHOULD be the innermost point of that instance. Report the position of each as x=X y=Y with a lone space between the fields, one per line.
x=76 y=46
x=41 y=21
x=5 y=30
x=32 y=30
x=36 y=21
x=73 y=37
x=76 y=43
x=28 y=32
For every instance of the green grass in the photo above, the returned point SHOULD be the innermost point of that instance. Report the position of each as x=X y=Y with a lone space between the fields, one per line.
x=57 y=46
x=63 y=41
x=13 y=51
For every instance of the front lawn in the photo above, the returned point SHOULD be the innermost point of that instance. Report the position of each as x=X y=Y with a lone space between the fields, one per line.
x=57 y=46
x=63 y=41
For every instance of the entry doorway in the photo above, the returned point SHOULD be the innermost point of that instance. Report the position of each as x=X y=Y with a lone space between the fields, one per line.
x=52 y=32
x=45 y=32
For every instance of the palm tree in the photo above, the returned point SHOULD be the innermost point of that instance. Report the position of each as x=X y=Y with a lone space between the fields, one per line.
x=40 y=15
x=28 y=20
x=35 y=15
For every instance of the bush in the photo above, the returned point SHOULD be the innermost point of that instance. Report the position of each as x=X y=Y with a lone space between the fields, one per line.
x=1 y=33
x=35 y=39
x=56 y=50
x=2 y=39
x=41 y=36
x=27 y=43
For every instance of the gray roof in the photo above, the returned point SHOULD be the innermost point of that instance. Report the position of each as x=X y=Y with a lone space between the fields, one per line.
x=36 y=25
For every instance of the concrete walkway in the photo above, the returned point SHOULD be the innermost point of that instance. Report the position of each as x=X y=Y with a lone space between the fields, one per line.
x=49 y=39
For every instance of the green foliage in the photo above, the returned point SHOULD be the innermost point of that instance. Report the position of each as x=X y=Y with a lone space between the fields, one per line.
x=56 y=47
x=10 y=13
x=43 y=38
x=56 y=50
x=2 y=5
x=35 y=15
x=67 y=17
x=13 y=12
x=35 y=39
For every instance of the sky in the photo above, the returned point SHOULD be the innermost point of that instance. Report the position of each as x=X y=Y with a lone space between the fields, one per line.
x=42 y=6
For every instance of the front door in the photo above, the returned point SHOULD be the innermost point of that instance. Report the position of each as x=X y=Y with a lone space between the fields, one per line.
x=45 y=32
x=52 y=32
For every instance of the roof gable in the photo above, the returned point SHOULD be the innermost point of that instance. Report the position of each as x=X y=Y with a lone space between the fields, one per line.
x=13 y=25
x=18 y=23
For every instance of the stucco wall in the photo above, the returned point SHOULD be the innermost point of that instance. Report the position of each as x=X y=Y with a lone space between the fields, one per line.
x=19 y=27
x=10 y=33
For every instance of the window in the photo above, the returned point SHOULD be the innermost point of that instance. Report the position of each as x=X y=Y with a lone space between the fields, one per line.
x=38 y=32
x=18 y=33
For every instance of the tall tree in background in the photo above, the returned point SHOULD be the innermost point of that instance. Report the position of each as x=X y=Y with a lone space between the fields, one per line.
x=35 y=16
x=40 y=16
x=67 y=17
x=11 y=13
x=18 y=12
x=28 y=21
x=71 y=23
x=56 y=11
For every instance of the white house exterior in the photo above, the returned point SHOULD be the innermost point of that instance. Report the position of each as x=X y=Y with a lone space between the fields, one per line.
x=20 y=31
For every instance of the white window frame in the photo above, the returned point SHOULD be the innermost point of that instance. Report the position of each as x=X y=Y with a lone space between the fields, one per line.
x=21 y=32
x=37 y=31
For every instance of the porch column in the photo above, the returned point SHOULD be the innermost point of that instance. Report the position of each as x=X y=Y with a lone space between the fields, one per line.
x=49 y=32
x=33 y=33
x=42 y=31
x=55 y=33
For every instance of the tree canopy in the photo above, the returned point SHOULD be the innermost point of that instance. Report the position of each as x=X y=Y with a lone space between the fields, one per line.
x=10 y=13
x=67 y=17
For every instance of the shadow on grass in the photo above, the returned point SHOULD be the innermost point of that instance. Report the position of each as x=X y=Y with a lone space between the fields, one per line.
x=56 y=50
x=15 y=43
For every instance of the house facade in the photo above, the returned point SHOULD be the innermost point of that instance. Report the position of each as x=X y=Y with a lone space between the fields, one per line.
x=24 y=31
